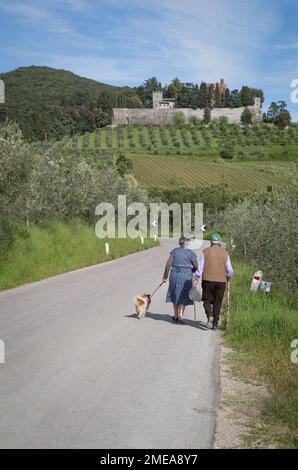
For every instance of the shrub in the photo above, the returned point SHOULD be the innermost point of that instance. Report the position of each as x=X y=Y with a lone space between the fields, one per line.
x=223 y=121
x=194 y=120
x=38 y=185
x=227 y=153
x=123 y=165
x=246 y=116
x=264 y=231
x=282 y=120
x=207 y=116
x=179 y=119
x=17 y=161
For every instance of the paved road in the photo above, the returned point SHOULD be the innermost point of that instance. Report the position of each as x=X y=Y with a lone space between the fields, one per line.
x=82 y=371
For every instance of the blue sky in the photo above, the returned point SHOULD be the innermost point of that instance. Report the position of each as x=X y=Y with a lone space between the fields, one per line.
x=123 y=42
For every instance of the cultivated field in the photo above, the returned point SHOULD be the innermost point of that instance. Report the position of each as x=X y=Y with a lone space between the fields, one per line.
x=258 y=141
x=244 y=177
x=190 y=154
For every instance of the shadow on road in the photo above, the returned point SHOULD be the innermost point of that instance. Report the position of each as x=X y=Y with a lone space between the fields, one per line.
x=167 y=318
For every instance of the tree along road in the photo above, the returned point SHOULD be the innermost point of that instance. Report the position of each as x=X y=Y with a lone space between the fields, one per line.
x=82 y=371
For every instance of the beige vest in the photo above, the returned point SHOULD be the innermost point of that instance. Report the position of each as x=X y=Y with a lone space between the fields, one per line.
x=215 y=264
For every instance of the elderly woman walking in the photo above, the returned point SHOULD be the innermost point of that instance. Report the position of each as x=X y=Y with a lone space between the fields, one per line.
x=182 y=262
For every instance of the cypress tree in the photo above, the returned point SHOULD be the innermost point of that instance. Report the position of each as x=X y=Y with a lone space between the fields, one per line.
x=228 y=102
x=203 y=95
x=217 y=96
x=207 y=115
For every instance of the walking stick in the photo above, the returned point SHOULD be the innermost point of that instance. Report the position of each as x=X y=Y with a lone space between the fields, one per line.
x=228 y=302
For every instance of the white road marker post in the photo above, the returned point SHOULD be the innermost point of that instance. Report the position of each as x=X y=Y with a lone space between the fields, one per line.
x=256 y=281
x=142 y=240
x=107 y=248
x=155 y=224
x=2 y=352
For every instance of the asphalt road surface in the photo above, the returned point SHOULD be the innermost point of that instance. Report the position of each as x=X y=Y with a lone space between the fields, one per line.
x=82 y=371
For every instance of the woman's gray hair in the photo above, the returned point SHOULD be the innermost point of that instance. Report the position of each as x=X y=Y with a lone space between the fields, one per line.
x=183 y=239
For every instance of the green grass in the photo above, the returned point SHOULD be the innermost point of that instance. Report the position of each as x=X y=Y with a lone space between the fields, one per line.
x=59 y=248
x=262 y=328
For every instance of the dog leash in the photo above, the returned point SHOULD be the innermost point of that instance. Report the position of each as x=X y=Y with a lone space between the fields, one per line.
x=157 y=288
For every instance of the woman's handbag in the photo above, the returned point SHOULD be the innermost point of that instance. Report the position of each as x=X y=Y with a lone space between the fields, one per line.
x=195 y=294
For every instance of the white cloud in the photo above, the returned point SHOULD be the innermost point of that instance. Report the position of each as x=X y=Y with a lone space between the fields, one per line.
x=201 y=40
x=107 y=70
x=194 y=39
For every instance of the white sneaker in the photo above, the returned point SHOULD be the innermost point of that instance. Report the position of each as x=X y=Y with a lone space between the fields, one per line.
x=210 y=323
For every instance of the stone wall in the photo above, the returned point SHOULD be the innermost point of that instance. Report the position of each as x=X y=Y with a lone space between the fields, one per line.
x=165 y=116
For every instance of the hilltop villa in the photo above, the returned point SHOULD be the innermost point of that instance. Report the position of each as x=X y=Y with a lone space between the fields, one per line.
x=163 y=110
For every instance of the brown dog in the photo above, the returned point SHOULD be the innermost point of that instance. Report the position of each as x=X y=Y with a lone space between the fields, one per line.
x=142 y=305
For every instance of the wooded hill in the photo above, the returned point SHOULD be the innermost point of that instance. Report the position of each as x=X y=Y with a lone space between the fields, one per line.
x=51 y=103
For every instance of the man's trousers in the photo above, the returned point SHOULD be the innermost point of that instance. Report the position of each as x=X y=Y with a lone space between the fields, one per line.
x=213 y=293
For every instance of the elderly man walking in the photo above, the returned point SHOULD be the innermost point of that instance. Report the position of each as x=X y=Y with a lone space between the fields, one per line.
x=216 y=269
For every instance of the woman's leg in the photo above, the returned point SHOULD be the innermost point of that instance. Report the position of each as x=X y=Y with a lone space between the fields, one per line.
x=175 y=307
x=181 y=309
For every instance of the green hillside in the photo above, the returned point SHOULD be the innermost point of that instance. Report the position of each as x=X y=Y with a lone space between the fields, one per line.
x=248 y=142
x=52 y=103
x=259 y=155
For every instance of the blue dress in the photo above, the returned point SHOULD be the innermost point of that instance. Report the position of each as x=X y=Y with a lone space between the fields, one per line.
x=181 y=276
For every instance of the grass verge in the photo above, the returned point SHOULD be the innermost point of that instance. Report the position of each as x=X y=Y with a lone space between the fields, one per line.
x=58 y=248
x=261 y=329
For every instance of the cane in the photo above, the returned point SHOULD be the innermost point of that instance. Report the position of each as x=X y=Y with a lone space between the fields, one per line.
x=228 y=302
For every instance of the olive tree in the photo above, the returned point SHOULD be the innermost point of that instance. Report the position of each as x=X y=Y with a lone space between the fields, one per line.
x=264 y=229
